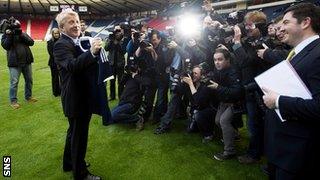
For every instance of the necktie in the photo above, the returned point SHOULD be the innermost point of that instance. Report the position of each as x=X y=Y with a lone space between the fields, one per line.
x=290 y=55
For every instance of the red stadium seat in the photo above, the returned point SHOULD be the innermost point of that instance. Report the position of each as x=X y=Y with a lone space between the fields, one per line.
x=39 y=28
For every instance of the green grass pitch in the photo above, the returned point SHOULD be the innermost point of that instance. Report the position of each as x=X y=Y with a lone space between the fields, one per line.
x=34 y=137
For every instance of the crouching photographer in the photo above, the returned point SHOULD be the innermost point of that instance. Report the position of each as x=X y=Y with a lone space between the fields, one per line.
x=227 y=89
x=19 y=57
x=201 y=100
x=131 y=107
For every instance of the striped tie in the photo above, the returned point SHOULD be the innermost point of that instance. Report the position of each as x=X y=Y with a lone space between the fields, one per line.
x=290 y=55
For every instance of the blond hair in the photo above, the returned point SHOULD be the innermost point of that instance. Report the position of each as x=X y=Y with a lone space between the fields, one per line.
x=61 y=17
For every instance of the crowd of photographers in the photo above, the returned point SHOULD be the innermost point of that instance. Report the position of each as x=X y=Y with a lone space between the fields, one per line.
x=210 y=77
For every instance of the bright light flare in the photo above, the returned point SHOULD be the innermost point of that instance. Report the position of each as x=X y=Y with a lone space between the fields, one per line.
x=189 y=25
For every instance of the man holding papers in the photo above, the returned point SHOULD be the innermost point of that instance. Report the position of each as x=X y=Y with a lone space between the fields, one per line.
x=292 y=145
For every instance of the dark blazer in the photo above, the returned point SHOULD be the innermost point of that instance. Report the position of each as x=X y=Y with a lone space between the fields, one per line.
x=293 y=145
x=72 y=65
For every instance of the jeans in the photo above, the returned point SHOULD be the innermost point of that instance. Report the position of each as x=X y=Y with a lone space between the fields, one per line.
x=223 y=120
x=167 y=118
x=124 y=113
x=162 y=82
x=118 y=74
x=15 y=72
x=255 y=127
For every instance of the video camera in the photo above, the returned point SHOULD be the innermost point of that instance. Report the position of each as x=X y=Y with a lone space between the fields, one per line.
x=11 y=24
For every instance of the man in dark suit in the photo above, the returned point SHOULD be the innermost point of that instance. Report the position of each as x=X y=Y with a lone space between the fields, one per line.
x=292 y=146
x=75 y=92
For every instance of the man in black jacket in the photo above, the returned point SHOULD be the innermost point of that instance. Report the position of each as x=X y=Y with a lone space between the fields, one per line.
x=227 y=86
x=200 y=98
x=19 y=57
x=75 y=91
x=130 y=101
x=251 y=65
x=117 y=49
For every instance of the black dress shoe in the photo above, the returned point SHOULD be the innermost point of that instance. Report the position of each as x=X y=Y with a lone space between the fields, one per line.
x=69 y=168
x=162 y=129
x=92 y=177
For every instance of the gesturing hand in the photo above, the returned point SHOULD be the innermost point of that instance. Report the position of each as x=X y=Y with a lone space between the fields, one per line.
x=96 y=45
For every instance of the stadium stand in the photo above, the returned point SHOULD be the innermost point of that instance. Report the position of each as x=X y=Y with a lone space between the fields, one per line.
x=39 y=28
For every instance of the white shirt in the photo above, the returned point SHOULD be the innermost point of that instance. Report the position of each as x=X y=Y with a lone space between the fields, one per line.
x=75 y=40
x=297 y=50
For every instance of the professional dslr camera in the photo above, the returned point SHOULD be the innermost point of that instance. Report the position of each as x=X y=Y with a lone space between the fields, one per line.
x=176 y=76
x=234 y=18
x=10 y=26
x=131 y=66
x=144 y=44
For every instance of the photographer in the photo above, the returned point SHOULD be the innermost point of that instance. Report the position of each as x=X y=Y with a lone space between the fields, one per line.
x=227 y=88
x=117 y=50
x=245 y=50
x=279 y=50
x=162 y=76
x=131 y=98
x=137 y=35
x=146 y=58
x=19 y=57
x=200 y=98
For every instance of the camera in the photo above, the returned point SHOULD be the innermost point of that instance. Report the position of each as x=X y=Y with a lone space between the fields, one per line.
x=144 y=43
x=11 y=24
x=131 y=66
x=176 y=76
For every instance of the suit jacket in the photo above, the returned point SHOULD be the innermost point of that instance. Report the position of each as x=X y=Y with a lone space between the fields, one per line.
x=293 y=145
x=75 y=86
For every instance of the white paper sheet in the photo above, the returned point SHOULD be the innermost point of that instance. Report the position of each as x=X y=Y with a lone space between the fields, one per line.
x=283 y=79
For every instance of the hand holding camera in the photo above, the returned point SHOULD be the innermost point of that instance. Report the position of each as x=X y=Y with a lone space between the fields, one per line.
x=172 y=45
x=8 y=32
x=207 y=6
x=237 y=34
x=187 y=79
x=213 y=85
x=260 y=52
